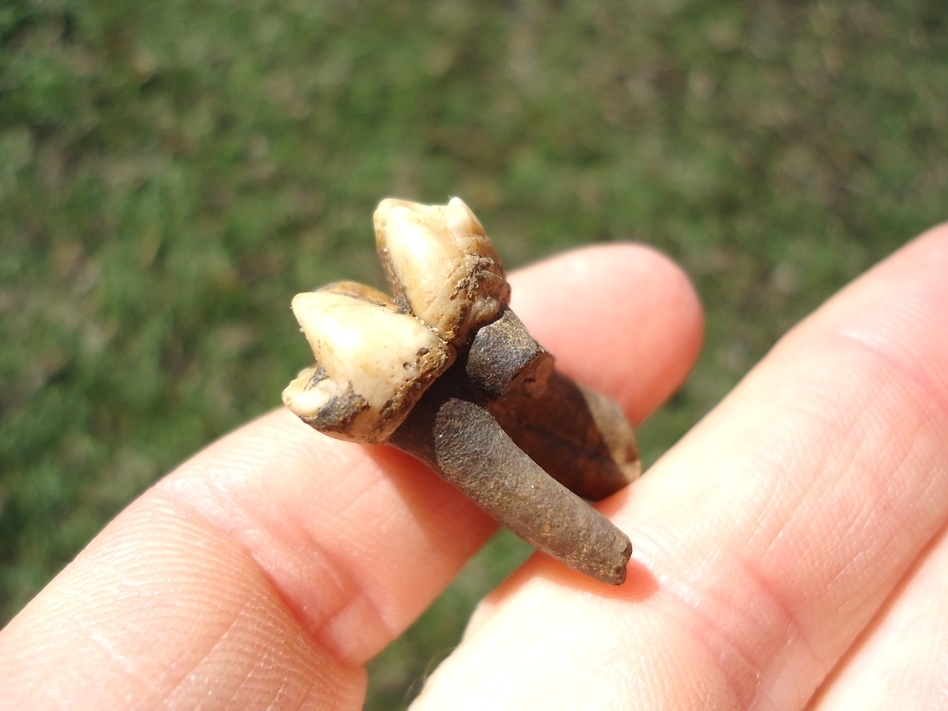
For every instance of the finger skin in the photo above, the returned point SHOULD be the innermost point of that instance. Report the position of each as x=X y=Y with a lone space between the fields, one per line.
x=142 y=620
x=625 y=351
x=765 y=542
x=268 y=568
x=900 y=660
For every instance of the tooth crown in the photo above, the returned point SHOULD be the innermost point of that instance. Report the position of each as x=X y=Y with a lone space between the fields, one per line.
x=375 y=357
x=372 y=362
x=441 y=265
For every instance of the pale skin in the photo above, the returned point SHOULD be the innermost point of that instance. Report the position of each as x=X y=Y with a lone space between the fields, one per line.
x=790 y=551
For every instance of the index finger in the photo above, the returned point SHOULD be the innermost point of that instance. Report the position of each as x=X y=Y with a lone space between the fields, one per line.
x=279 y=544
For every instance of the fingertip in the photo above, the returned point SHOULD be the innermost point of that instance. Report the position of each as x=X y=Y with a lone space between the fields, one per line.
x=938 y=232
x=622 y=318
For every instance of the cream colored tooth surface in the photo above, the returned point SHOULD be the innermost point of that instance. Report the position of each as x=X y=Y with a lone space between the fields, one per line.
x=373 y=362
x=441 y=264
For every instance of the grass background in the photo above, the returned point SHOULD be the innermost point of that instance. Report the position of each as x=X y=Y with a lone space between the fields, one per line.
x=172 y=173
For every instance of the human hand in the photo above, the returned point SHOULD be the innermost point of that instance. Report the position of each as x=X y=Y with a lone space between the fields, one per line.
x=790 y=552
x=272 y=565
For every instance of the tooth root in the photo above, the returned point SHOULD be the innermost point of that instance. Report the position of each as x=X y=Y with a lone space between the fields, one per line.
x=454 y=434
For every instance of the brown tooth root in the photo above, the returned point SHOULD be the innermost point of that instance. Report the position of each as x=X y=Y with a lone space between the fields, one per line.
x=581 y=437
x=505 y=361
x=450 y=430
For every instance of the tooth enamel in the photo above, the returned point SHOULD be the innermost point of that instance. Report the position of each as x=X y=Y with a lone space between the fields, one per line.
x=373 y=362
x=441 y=265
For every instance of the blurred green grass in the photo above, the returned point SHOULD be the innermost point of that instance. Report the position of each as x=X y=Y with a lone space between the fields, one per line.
x=172 y=173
